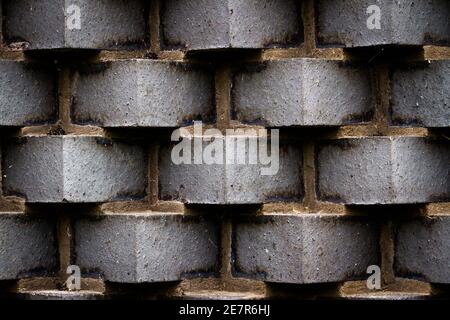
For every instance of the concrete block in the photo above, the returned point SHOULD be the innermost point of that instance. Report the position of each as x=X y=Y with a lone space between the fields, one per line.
x=344 y=23
x=146 y=247
x=305 y=249
x=383 y=170
x=55 y=169
x=27 y=93
x=76 y=24
x=144 y=93
x=232 y=182
x=302 y=92
x=422 y=249
x=27 y=246
x=421 y=95
x=215 y=24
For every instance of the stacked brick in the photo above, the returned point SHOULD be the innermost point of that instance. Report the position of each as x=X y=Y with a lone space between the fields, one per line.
x=91 y=91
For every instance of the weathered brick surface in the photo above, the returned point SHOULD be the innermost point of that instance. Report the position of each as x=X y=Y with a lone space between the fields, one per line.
x=215 y=24
x=59 y=295
x=383 y=170
x=135 y=248
x=421 y=95
x=344 y=23
x=73 y=169
x=231 y=183
x=314 y=248
x=302 y=92
x=27 y=93
x=422 y=249
x=90 y=158
x=147 y=93
x=27 y=246
x=48 y=24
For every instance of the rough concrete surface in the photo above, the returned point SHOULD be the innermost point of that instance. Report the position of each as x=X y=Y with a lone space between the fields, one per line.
x=73 y=169
x=137 y=248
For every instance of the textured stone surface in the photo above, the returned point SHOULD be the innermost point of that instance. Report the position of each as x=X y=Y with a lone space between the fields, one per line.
x=27 y=93
x=384 y=170
x=310 y=248
x=409 y=22
x=73 y=169
x=143 y=93
x=218 y=24
x=27 y=246
x=59 y=295
x=305 y=92
x=146 y=247
x=47 y=24
x=423 y=249
x=421 y=95
x=232 y=183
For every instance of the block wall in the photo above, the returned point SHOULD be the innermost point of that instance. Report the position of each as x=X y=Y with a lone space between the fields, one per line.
x=92 y=91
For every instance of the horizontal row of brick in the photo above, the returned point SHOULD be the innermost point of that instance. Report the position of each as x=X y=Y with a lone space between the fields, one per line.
x=290 y=92
x=287 y=248
x=367 y=170
x=248 y=24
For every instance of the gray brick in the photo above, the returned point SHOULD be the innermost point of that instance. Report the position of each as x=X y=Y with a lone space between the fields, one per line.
x=421 y=95
x=143 y=247
x=27 y=246
x=73 y=169
x=409 y=22
x=27 y=93
x=104 y=24
x=218 y=24
x=147 y=93
x=384 y=170
x=305 y=249
x=232 y=183
x=422 y=249
x=304 y=92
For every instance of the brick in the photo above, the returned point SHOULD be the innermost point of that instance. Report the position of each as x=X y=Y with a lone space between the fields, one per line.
x=27 y=93
x=48 y=24
x=383 y=170
x=27 y=246
x=421 y=95
x=73 y=169
x=344 y=23
x=422 y=249
x=303 y=92
x=147 y=93
x=305 y=249
x=215 y=24
x=231 y=183
x=146 y=247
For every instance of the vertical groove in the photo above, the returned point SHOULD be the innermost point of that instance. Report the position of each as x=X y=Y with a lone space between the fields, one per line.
x=308 y=13
x=64 y=237
x=223 y=95
x=382 y=83
x=154 y=23
x=225 y=254
x=64 y=96
x=387 y=253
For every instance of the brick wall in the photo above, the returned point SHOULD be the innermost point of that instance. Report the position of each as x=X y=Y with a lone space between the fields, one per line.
x=91 y=92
